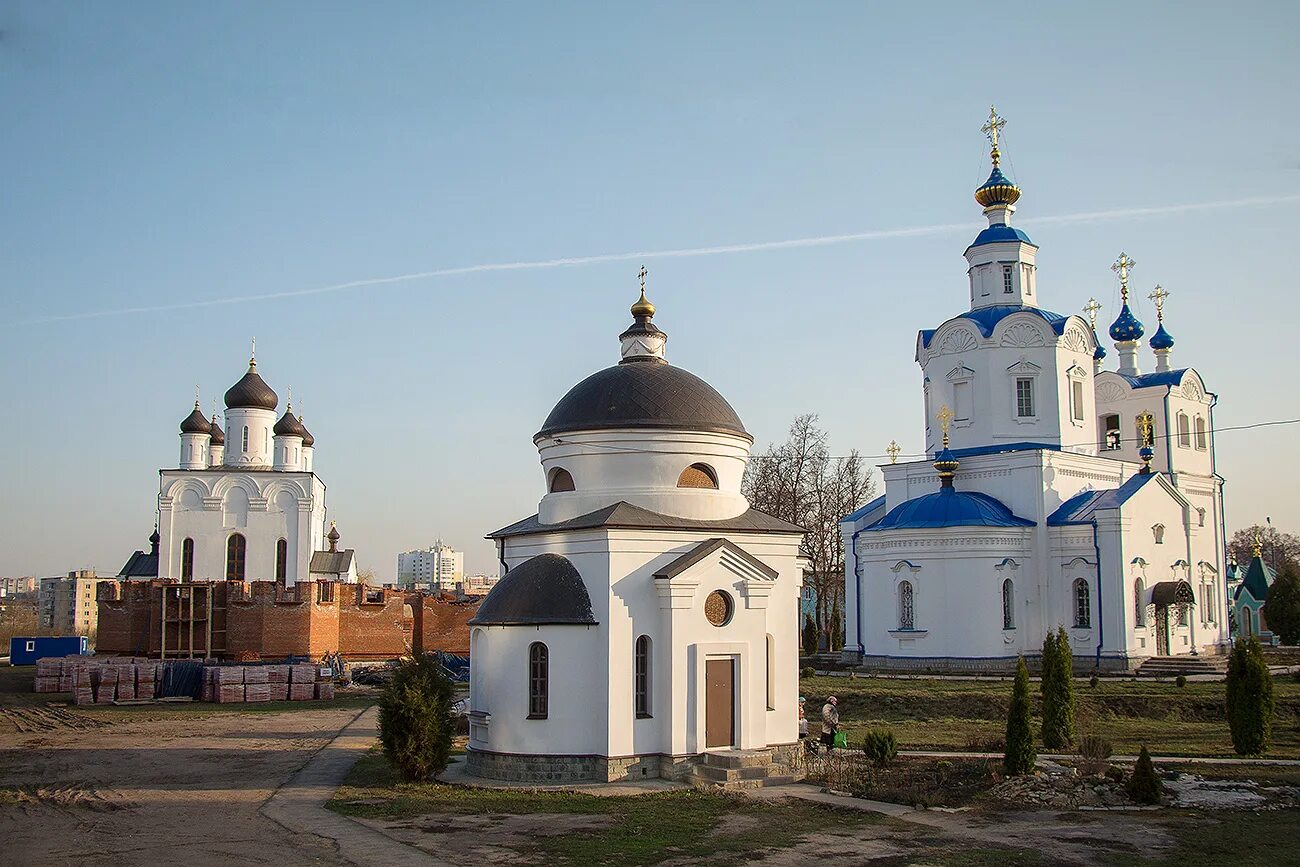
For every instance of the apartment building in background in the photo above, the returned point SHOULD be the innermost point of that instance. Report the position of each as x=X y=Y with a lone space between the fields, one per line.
x=437 y=568
x=68 y=605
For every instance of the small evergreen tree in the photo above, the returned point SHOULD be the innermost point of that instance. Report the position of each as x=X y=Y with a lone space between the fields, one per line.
x=837 y=626
x=1249 y=698
x=1282 y=608
x=1065 y=685
x=1020 y=755
x=1145 y=786
x=416 y=719
x=809 y=636
x=880 y=747
x=1047 y=661
x=1057 y=688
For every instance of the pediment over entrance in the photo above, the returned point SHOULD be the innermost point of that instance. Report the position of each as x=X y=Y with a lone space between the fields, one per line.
x=678 y=581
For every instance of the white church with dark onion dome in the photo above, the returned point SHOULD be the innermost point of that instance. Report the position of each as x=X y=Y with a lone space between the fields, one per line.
x=1061 y=492
x=244 y=503
x=646 y=613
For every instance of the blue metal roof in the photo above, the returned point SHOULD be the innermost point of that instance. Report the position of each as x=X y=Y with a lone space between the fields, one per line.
x=1000 y=233
x=877 y=503
x=1126 y=326
x=1001 y=448
x=949 y=507
x=1080 y=508
x=1161 y=339
x=1164 y=377
x=987 y=318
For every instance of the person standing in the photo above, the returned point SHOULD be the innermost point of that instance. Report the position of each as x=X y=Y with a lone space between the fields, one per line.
x=830 y=721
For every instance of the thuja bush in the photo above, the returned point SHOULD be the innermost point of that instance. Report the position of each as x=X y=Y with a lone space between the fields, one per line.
x=880 y=747
x=1020 y=755
x=1145 y=786
x=417 y=720
x=1249 y=698
x=1057 y=687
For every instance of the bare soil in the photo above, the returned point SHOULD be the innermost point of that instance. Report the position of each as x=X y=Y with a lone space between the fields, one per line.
x=178 y=791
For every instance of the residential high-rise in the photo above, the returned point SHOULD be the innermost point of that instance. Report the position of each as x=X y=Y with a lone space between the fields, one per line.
x=68 y=605
x=439 y=567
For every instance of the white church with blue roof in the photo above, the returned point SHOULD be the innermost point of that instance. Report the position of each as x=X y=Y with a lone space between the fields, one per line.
x=1061 y=492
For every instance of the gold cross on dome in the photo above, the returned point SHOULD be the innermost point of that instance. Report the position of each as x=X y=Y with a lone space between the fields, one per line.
x=893 y=451
x=1159 y=296
x=196 y=397
x=1259 y=542
x=1092 y=308
x=642 y=274
x=1146 y=423
x=1121 y=267
x=991 y=131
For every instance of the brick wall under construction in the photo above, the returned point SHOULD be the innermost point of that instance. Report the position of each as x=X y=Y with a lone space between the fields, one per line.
x=248 y=620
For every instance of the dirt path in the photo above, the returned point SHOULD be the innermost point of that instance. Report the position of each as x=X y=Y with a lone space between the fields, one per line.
x=165 y=791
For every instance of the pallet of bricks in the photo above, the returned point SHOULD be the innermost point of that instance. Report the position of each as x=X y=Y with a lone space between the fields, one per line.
x=93 y=680
x=256 y=683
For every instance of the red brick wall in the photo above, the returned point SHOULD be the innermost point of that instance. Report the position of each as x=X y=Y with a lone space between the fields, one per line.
x=445 y=625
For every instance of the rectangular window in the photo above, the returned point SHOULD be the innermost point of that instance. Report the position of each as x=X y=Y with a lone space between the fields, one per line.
x=1110 y=438
x=1006 y=279
x=1184 y=432
x=961 y=401
x=1202 y=442
x=1025 y=397
x=1076 y=398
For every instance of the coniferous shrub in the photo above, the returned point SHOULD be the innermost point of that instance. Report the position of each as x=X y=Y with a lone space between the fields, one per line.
x=1020 y=755
x=880 y=747
x=1180 y=681
x=1145 y=786
x=417 y=719
x=809 y=636
x=837 y=626
x=1249 y=698
x=1093 y=681
x=1057 y=688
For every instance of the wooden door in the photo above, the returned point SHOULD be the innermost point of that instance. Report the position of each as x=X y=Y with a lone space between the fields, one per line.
x=1162 y=630
x=719 y=703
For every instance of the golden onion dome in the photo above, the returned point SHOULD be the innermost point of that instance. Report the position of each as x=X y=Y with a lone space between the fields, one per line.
x=643 y=307
x=997 y=190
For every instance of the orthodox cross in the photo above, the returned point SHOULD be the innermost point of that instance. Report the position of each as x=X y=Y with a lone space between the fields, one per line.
x=288 y=405
x=642 y=274
x=1121 y=267
x=893 y=451
x=1159 y=296
x=1145 y=426
x=991 y=131
x=944 y=416
x=1259 y=542
x=196 y=397
x=1092 y=308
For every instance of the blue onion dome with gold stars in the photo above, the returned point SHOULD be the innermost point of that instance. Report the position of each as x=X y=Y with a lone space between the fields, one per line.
x=1126 y=326
x=1162 y=339
x=1100 y=352
x=997 y=190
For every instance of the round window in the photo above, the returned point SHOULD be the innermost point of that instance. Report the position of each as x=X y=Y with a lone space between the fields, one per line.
x=718 y=608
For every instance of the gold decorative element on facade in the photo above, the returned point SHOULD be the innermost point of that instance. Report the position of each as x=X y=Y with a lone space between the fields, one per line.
x=1146 y=425
x=1092 y=308
x=945 y=417
x=643 y=307
x=893 y=450
x=717 y=608
x=1158 y=296
x=991 y=131
x=1121 y=267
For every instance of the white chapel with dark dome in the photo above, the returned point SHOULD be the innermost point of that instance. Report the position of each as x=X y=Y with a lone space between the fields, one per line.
x=646 y=614
x=1060 y=492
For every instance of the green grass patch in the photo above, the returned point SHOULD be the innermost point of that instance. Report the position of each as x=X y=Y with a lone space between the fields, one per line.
x=1243 y=839
x=646 y=828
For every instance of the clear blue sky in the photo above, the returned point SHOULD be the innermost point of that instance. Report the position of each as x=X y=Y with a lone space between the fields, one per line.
x=168 y=153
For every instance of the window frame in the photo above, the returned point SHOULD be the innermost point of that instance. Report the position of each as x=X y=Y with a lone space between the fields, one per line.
x=1008 y=604
x=641 y=662
x=1201 y=433
x=1008 y=280
x=1026 y=400
x=1139 y=602
x=236 y=557
x=1082 y=596
x=560 y=477
x=906 y=606
x=282 y=560
x=710 y=475
x=1107 y=430
x=187 y=559
x=539 y=680
x=1184 y=431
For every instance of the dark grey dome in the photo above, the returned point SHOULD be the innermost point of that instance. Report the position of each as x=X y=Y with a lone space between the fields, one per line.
x=288 y=425
x=251 y=392
x=647 y=393
x=195 y=423
x=218 y=435
x=307 y=439
x=545 y=589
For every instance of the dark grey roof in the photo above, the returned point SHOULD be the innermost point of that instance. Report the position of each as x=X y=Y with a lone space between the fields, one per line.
x=643 y=393
x=1172 y=592
x=195 y=423
x=288 y=425
x=218 y=435
x=331 y=562
x=141 y=565
x=623 y=515
x=542 y=590
x=707 y=547
x=251 y=392
x=307 y=439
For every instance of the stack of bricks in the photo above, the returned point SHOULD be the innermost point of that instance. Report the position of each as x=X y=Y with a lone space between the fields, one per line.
x=227 y=683
x=277 y=682
x=48 y=675
x=302 y=682
x=94 y=680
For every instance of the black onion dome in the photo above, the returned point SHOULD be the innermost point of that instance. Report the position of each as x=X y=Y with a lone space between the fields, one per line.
x=307 y=439
x=195 y=423
x=251 y=392
x=218 y=435
x=288 y=425
x=643 y=394
x=545 y=589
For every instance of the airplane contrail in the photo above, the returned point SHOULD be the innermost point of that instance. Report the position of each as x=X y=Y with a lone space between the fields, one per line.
x=675 y=253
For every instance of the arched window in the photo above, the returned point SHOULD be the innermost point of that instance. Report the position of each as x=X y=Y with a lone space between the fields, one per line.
x=698 y=476
x=1202 y=442
x=187 y=560
x=538 y=680
x=1184 y=431
x=1139 y=603
x=561 y=480
x=1008 y=605
x=1110 y=436
x=906 y=606
x=1158 y=531
x=771 y=673
x=281 y=560
x=641 y=677
x=235 y=547
x=1082 y=604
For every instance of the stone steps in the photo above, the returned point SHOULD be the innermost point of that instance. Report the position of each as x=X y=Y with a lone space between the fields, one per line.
x=737 y=770
x=1172 y=666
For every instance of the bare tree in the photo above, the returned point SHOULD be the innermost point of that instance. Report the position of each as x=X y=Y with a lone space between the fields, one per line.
x=1278 y=547
x=801 y=482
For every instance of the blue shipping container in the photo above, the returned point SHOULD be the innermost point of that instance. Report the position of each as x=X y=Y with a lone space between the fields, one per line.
x=25 y=651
